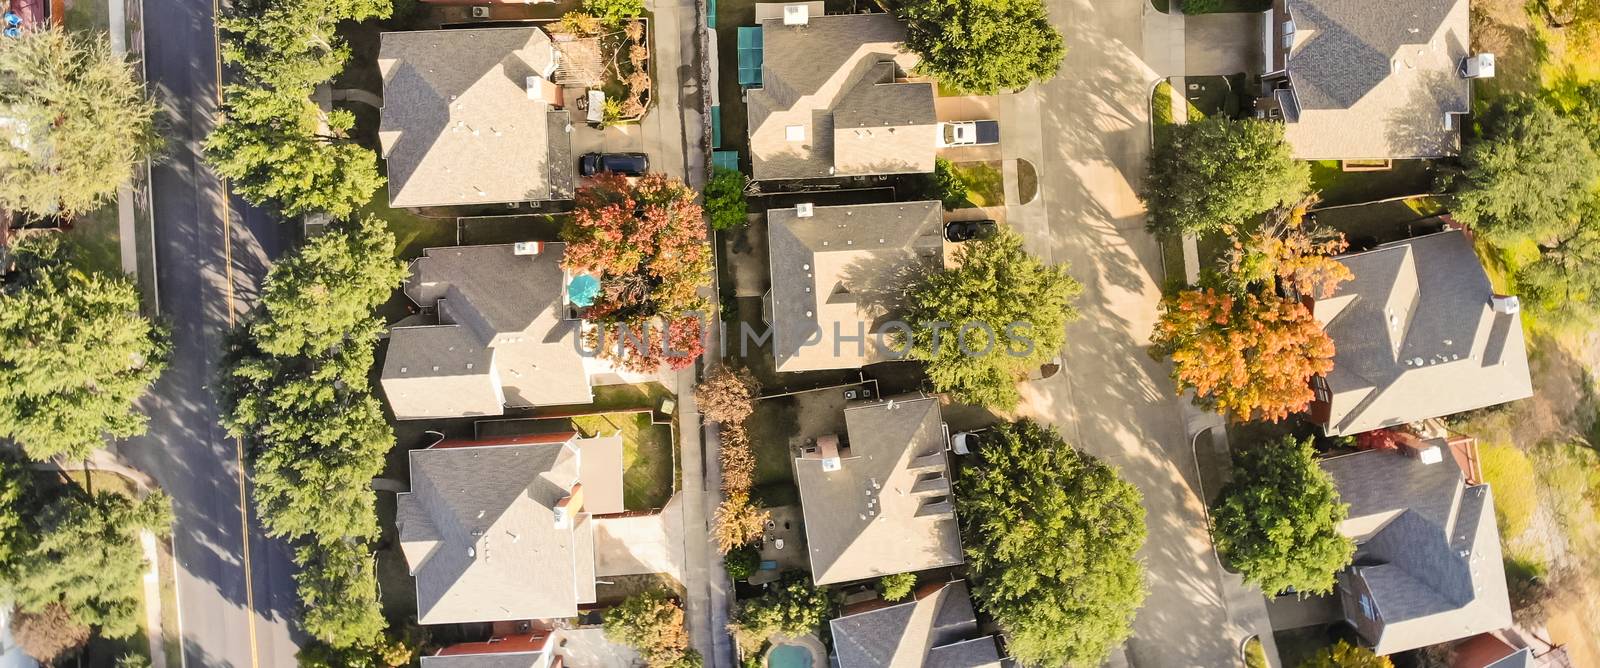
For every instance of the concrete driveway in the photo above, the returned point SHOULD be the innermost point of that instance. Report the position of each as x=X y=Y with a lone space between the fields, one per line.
x=641 y=545
x=1223 y=44
x=1113 y=400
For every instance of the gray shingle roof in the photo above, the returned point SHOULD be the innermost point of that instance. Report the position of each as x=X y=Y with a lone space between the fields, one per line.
x=457 y=124
x=1428 y=560
x=837 y=79
x=501 y=337
x=844 y=268
x=887 y=509
x=1416 y=337
x=1375 y=78
x=934 y=630
x=479 y=532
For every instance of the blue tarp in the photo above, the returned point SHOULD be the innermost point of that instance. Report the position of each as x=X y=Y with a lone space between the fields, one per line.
x=583 y=289
x=726 y=159
x=716 y=127
x=750 y=56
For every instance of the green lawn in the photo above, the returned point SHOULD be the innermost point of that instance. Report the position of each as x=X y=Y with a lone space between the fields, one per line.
x=1223 y=6
x=510 y=229
x=647 y=473
x=985 y=185
x=774 y=421
x=1406 y=177
x=97 y=244
x=412 y=232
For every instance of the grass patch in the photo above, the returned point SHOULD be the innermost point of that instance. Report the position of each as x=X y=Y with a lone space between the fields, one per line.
x=1510 y=474
x=985 y=184
x=1161 y=105
x=96 y=240
x=1255 y=656
x=1338 y=187
x=483 y=230
x=1193 y=7
x=1027 y=181
x=412 y=232
x=638 y=395
x=646 y=456
x=774 y=421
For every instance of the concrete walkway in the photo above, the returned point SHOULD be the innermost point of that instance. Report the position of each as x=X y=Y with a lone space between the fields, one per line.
x=365 y=97
x=673 y=123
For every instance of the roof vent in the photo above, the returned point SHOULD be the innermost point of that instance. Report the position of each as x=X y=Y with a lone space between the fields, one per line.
x=804 y=210
x=527 y=247
x=1480 y=66
x=1505 y=304
x=796 y=15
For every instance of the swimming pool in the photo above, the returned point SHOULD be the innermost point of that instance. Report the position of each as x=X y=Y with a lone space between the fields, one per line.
x=789 y=656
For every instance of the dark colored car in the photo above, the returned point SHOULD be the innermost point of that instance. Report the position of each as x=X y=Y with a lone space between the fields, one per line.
x=626 y=164
x=967 y=230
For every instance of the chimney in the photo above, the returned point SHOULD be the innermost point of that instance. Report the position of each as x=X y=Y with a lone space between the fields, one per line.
x=1425 y=451
x=569 y=506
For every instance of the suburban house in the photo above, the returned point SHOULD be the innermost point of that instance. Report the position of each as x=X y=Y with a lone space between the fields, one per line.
x=1418 y=334
x=526 y=645
x=877 y=498
x=474 y=117
x=500 y=530
x=836 y=272
x=1428 y=566
x=495 y=329
x=1370 y=79
x=832 y=98
x=936 y=628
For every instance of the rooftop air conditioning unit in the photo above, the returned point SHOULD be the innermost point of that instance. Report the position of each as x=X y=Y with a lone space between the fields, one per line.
x=1480 y=66
x=480 y=12
x=796 y=15
x=804 y=210
x=1505 y=304
x=527 y=247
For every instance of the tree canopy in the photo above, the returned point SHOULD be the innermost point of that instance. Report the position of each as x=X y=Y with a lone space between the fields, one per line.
x=1051 y=536
x=1530 y=176
x=335 y=279
x=1251 y=356
x=1002 y=311
x=1277 y=521
x=652 y=623
x=339 y=589
x=1342 y=654
x=80 y=121
x=792 y=607
x=725 y=199
x=1286 y=251
x=646 y=242
x=896 y=587
x=983 y=46
x=75 y=354
x=1216 y=173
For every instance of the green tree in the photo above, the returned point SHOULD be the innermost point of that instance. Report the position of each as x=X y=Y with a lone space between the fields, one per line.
x=652 y=623
x=742 y=562
x=1345 y=655
x=613 y=13
x=287 y=46
x=1051 y=536
x=75 y=354
x=270 y=145
x=983 y=46
x=86 y=557
x=946 y=185
x=1529 y=176
x=339 y=590
x=79 y=120
x=335 y=280
x=896 y=587
x=1563 y=283
x=996 y=290
x=1214 y=174
x=725 y=201
x=1277 y=521
x=793 y=607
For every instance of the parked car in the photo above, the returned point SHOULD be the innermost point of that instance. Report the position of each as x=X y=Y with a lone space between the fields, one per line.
x=969 y=133
x=967 y=230
x=966 y=442
x=626 y=164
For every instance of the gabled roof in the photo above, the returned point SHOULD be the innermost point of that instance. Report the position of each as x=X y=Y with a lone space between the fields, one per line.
x=843 y=268
x=498 y=335
x=836 y=81
x=479 y=530
x=1375 y=78
x=458 y=124
x=1428 y=563
x=936 y=630
x=1416 y=337
x=888 y=507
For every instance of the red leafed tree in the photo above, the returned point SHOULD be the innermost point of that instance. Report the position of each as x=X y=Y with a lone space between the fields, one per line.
x=1250 y=356
x=1378 y=439
x=646 y=242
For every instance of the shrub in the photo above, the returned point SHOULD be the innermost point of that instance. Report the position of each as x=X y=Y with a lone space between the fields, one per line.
x=725 y=199
x=947 y=186
x=1510 y=473
x=794 y=607
x=613 y=13
x=896 y=587
x=742 y=562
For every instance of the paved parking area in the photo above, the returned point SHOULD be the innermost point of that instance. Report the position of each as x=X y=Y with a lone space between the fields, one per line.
x=1223 y=44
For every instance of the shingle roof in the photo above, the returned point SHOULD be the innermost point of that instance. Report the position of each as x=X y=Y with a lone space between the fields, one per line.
x=501 y=327
x=836 y=79
x=844 y=268
x=1428 y=551
x=1416 y=337
x=1375 y=78
x=457 y=124
x=934 y=630
x=479 y=531
x=888 y=507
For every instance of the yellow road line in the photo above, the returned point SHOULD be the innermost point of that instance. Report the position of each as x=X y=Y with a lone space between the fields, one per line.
x=238 y=443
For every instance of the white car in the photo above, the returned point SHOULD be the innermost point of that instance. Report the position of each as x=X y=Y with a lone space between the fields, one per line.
x=965 y=442
x=969 y=133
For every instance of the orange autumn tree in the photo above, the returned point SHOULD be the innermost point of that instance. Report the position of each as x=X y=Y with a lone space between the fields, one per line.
x=1288 y=248
x=646 y=242
x=1248 y=356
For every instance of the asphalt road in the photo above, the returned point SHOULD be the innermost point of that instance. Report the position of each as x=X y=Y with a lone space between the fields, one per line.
x=236 y=597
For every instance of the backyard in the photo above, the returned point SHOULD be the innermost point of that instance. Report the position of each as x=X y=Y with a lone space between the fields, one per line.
x=1403 y=178
x=648 y=471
